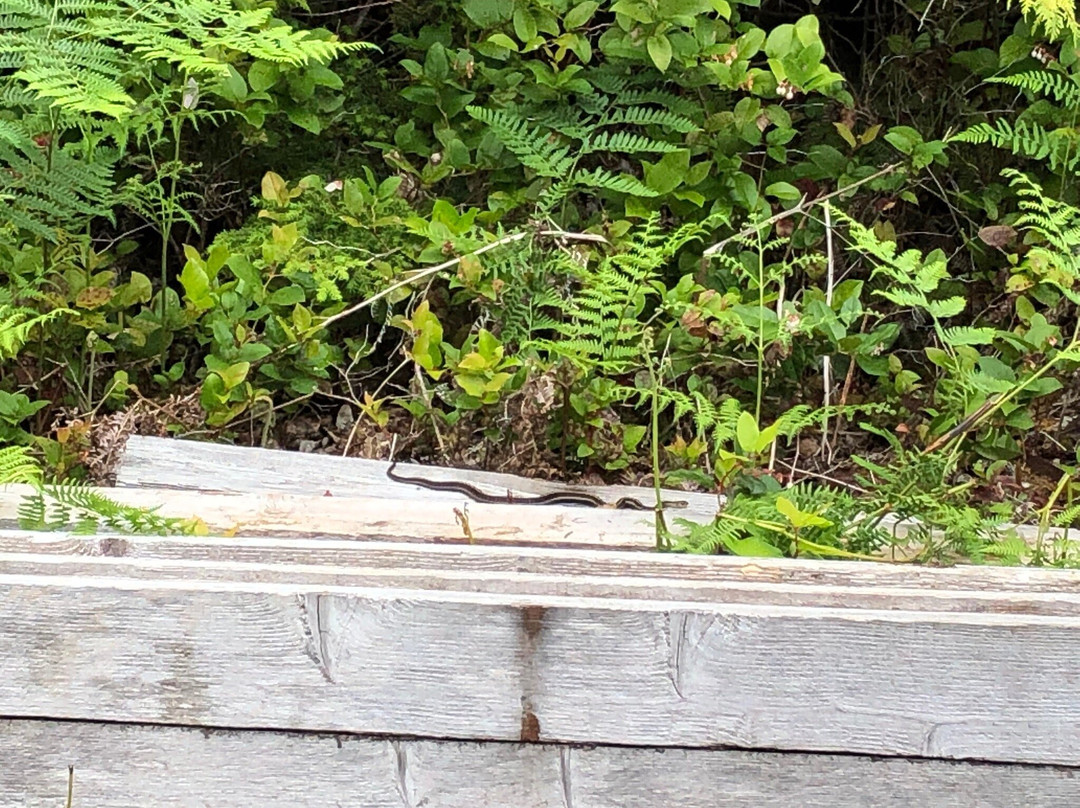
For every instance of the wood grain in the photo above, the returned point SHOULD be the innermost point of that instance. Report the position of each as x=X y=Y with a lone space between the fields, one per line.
x=384 y=517
x=22 y=558
x=401 y=556
x=120 y=766
x=477 y=666
x=167 y=463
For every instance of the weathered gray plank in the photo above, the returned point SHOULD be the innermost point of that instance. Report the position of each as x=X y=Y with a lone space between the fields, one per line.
x=578 y=584
x=385 y=518
x=478 y=666
x=119 y=766
x=722 y=570
x=641 y=778
x=166 y=463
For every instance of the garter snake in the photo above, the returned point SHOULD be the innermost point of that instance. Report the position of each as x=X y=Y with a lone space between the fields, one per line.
x=554 y=498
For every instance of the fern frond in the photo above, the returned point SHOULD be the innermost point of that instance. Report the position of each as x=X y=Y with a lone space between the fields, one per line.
x=601 y=178
x=17 y=324
x=529 y=144
x=1067 y=517
x=18 y=466
x=1009 y=551
x=648 y=116
x=904 y=297
x=1062 y=87
x=970 y=335
x=48 y=191
x=709 y=539
x=1056 y=17
x=75 y=506
x=609 y=83
x=718 y=422
x=1057 y=224
x=602 y=325
x=669 y=101
x=794 y=420
x=1028 y=139
x=627 y=143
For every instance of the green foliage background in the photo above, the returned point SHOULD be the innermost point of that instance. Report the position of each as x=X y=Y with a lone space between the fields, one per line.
x=488 y=223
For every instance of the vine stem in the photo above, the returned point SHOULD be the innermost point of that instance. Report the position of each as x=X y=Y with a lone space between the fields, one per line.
x=804 y=205
x=826 y=361
x=654 y=380
x=428 y=271
x=957 y=433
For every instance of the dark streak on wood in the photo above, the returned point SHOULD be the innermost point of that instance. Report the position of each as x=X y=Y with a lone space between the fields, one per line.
x=532 y=624
x=530 y=726
x=114 y=547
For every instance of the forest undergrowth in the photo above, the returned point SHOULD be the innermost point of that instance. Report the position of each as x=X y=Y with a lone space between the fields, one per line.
x=825 y=268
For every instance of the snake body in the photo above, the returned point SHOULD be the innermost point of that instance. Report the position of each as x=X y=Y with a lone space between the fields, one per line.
x=554 y=498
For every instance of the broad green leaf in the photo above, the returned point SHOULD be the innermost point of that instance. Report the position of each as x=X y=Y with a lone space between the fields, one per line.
x=639 y=12
x=721 y=7
x=797 y=517
x=263 y=75
x=524 y=24
x=232 y=86
x=939 y=357
x=503 y=41
x=488 y=345
x=903 y=138
x=196 y=285
x=253 y=352
x=766 y=437
x=323 y=76
x=579 y=14
x=234 y=374
x=746 y=432
x=753 y=546
x=668 y=173
x=744 y=190
x=844 y=131
x=632 y=435
x=806 y=29
x=285 y=236
x=787 y=508
x=245 y=272
x=778 y=43
x=687 y=9
x=1024 y=309
x=137 y=290
x=287 y=296
x=497 y=382
x=436 y=64
x=473 y=385
x=473 y=361
x=274 y=189
x=784 y=191
x=488 y=13
x=659 y=47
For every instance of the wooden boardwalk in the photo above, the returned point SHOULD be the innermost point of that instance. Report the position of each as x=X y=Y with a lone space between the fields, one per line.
x=353 y=649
